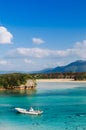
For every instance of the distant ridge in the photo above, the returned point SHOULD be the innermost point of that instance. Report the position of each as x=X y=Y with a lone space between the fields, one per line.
x=5 y=72
x=77 y=66
x=8 y=72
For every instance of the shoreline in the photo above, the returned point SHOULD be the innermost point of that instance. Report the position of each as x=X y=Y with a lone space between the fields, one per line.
x=60 y=80
x=50 y=81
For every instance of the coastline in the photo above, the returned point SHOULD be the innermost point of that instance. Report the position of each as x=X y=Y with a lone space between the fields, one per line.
x=60 y=80
x=50 y=81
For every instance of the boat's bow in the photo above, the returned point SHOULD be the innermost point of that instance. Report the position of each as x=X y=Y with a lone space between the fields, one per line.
x=31 y=111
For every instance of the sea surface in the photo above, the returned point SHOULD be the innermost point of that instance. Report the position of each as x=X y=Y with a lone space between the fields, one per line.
x=64 y=108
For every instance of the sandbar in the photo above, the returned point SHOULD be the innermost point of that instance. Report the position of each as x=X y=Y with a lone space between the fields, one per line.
x=61 y=80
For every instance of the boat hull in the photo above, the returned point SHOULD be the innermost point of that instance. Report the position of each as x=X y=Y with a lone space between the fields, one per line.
x=24 y=111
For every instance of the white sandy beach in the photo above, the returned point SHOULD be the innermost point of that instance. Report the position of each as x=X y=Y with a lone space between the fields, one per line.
x=59 y=80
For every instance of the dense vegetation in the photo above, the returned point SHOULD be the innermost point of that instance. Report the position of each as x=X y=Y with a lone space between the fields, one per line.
x=80 y=76
x=9 y=81
x=16 y=79
x=71 y=75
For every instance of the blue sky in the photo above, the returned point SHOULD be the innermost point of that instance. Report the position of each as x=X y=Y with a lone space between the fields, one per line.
x=38 y=34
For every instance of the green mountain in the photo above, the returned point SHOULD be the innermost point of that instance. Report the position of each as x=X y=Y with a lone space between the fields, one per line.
x=77 y=66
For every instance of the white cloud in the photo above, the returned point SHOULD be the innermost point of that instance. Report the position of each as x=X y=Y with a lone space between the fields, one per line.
x=38 y=41
x=38 y=58
x=39 y=53
x=79 y=51
x=29 y=52
x=28 y=61
x=3 y=62
x=5 y=36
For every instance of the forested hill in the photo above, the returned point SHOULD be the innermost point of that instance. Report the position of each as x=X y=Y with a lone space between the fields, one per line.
x=77 y=66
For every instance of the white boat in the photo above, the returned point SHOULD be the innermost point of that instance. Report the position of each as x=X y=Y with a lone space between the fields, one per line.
x=31 y=111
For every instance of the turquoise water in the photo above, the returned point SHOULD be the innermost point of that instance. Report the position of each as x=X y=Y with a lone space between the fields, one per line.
x=64 y=109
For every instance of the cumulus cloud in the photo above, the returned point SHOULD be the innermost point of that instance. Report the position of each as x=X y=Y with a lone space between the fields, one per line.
x=79 y=50
x=38 y=58
x=5 y=36
x=28 y=61
x=31 y=52
x=3 y=62
x=37 y=52
x=38 y=41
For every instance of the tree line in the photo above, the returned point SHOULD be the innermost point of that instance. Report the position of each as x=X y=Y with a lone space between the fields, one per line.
x=70 y=75
x=9 y=81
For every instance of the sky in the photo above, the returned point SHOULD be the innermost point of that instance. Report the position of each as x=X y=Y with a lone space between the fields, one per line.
x=39 y=34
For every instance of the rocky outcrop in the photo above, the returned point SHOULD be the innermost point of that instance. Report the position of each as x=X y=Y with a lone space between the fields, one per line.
x=30 y=84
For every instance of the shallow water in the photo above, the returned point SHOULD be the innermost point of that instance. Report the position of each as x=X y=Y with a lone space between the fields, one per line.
x=64 y=109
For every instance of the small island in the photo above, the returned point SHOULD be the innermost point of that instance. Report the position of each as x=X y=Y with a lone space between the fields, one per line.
x=28 y=81
x=17 y=81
